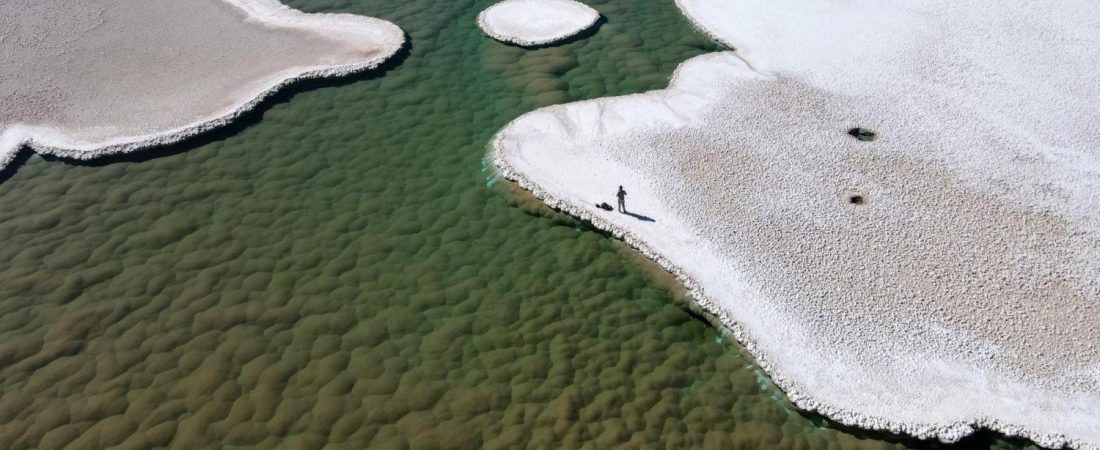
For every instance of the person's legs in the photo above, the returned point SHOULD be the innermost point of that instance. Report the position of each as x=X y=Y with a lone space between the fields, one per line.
x=622 y=206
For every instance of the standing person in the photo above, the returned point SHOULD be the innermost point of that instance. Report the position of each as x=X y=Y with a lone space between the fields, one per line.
x=622 y=199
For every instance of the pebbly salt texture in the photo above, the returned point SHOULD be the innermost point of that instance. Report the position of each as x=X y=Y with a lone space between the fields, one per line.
x=943 y=277
x=536 y=22
x=102 y=77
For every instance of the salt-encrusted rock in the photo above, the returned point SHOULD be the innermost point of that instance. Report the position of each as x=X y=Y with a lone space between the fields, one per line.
x=536 y=22
x=862 y=134
x=97 y=77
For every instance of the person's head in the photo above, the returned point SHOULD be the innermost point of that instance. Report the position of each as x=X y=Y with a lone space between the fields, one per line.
x=620 y=187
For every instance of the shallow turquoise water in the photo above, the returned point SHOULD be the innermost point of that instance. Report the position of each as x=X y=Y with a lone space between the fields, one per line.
x=340 y=270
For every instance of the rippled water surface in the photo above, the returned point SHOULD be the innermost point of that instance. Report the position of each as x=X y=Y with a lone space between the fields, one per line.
x=340 y=270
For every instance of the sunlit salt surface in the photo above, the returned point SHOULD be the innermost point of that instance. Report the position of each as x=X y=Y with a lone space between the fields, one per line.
x=536 y=22
x=939 y=276
x=99 y=77
x=335 y=270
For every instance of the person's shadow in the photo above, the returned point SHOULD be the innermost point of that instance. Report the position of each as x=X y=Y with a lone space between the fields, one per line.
x=640 y=217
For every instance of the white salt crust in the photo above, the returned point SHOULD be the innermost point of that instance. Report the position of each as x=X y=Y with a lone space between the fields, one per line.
x=536 y=22
x=963 y=294
x=374 y=40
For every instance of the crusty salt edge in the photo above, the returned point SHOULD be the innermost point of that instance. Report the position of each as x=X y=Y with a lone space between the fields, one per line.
x=45 y=140
x=595 y=17
x=948 y=432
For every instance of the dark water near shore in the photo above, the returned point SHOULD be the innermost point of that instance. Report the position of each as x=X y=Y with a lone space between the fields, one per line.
x=340 y=270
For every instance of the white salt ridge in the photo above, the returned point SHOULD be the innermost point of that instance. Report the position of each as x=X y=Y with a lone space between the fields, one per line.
x=964 y=293
x=536 y=22
x=339 y=44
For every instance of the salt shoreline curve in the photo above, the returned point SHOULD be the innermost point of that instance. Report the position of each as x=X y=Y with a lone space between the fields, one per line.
x=1015 y=375
x=531 y=23
x=358 y=43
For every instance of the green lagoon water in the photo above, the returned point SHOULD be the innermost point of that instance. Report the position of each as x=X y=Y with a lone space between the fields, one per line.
x=340 y=270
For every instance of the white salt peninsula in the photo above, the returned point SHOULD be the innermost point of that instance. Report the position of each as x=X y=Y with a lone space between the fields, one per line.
x=84 y=79
x=894 y=204
x=532 y=23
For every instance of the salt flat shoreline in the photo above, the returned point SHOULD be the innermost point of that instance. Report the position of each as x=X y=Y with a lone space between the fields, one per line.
x=369 y=43
x=510 y=21
x=567 y=156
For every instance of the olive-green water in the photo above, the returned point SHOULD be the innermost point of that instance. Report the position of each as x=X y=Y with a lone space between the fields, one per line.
x=340 y=270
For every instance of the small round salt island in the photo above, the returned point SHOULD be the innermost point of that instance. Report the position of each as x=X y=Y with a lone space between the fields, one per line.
x=532 y=23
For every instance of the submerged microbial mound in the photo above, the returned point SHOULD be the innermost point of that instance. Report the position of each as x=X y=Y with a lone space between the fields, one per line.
x=945 y=276
x=536 y=22
x=96 y=77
